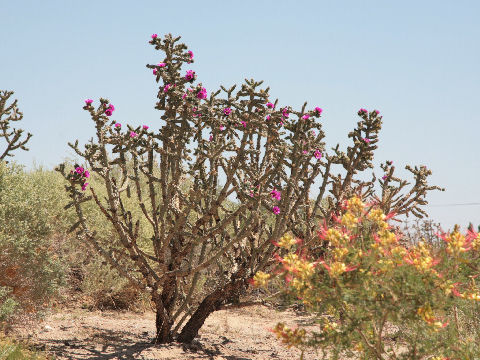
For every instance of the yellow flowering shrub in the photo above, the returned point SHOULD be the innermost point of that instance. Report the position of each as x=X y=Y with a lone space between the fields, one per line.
x=376 y=298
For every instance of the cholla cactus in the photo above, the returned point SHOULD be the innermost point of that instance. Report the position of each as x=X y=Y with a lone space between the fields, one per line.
x=8 y=114
x=226 y=174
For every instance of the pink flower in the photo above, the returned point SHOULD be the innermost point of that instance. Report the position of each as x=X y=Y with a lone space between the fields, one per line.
x=227 y=111
x=210 y=138
x=285 y=112
x=276 y=210
x=270 y=105
x=222 y=127
x=84 y=186
x=313 y=133
x=268 y=117
x=79 y=170
x=376 y=112
x=109 y=110
x=384 y=177
x=317 y=154
x=133 y=134
x=305 y=152
x=362 y=111
x=145 y=127
x=154 y=36
x=88 y=102
x=367 y=140
x=191 y=54
x=190 y=76
x=162 y=65
x=202 y=94
x=118 y=125
x=86 y=174
x=318 y=110
x=277 y=195
x=243 y=123
x=154 y=71
x=305 y=117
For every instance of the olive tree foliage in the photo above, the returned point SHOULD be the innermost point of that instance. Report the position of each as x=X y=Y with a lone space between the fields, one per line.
x=223 y=176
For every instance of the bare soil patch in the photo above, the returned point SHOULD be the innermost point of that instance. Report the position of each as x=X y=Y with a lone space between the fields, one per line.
x=234 y=334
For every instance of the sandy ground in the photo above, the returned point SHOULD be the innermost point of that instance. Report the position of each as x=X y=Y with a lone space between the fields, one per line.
x=234 y=334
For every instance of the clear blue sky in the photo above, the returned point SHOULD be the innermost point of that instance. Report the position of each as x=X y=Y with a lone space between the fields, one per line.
x=418 y=62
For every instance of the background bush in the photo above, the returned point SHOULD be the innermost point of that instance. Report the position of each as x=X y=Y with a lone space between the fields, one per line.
x=39 y=261
x=30 y=213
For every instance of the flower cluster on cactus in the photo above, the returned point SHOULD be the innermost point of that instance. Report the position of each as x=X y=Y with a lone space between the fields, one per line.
x=79 y=175
x=109 y=110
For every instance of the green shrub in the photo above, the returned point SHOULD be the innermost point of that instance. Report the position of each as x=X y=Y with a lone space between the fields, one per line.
x=14 y=350
x=38 y=259
x=30 y=213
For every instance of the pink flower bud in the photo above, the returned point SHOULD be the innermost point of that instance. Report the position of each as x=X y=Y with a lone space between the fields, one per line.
x=145 y=127
x=154 y=71
x=118 y=125
x=133 y=134
x=162 y=65
x=318 y=110
x=227 y=111
x=154 y=36
x=276 y=210
x=88 y=102
x=270 y=105
x=305 y=117
x=191 y=54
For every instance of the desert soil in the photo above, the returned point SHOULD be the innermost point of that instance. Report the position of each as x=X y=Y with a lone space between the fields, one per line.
x=234 y=334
